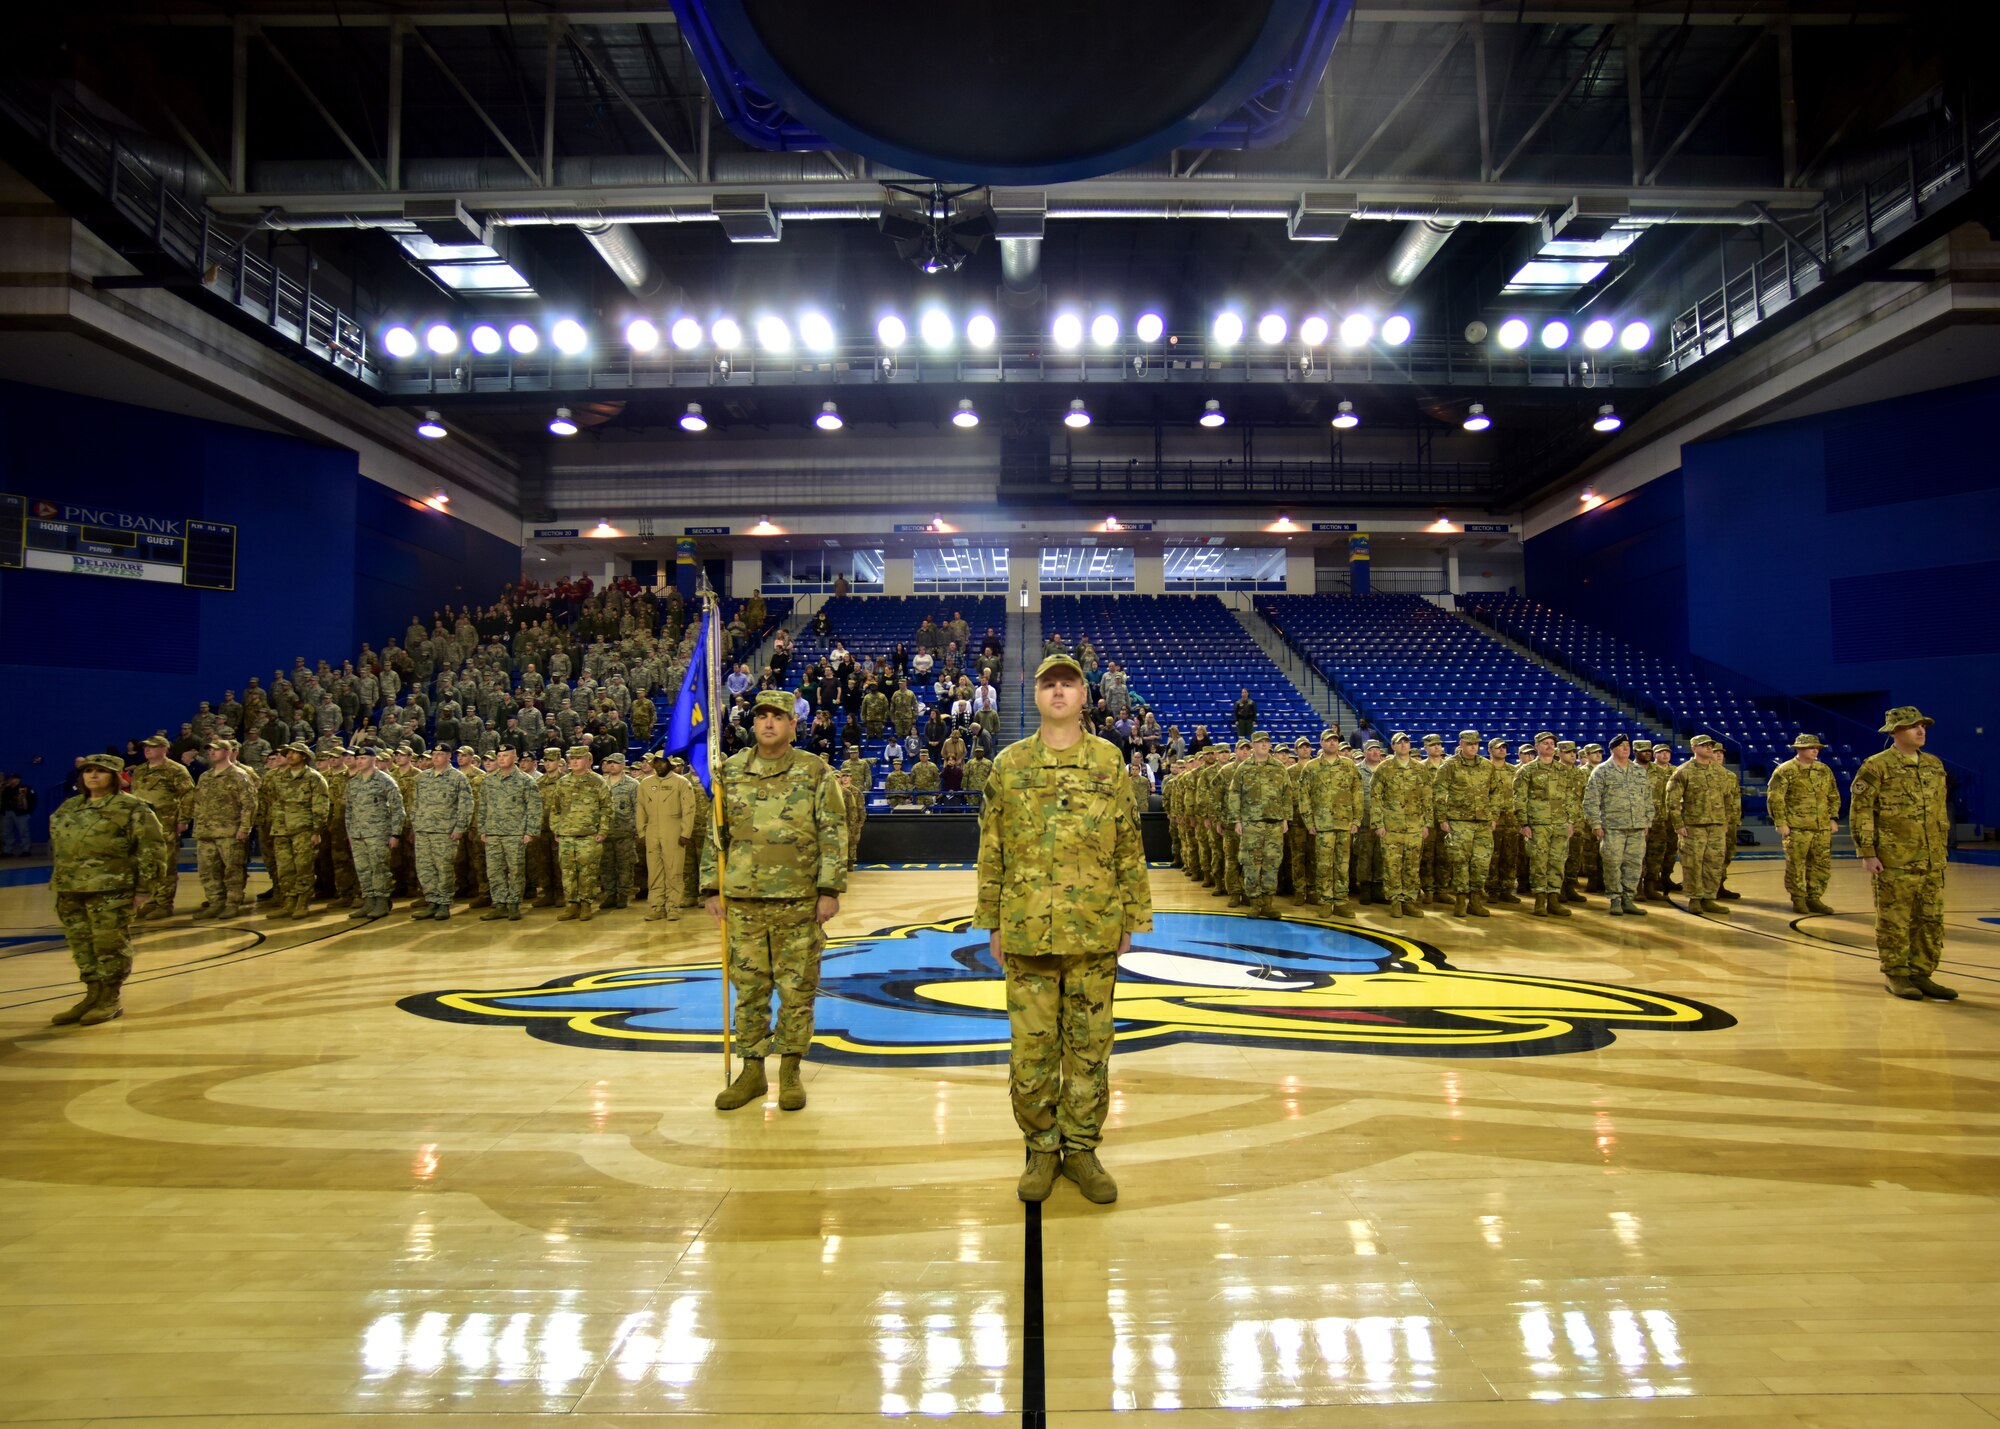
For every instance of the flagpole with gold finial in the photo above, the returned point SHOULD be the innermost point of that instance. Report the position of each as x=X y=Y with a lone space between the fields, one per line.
x=713 y=616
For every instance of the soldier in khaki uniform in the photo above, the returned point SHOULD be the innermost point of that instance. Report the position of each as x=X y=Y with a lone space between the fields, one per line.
x=664 y=818
x=1063 y=887
x=1328 y=800
x=168 y=790
x=1902 y=833
x=773 y=873
x=1705 y=804
x=1803 y=800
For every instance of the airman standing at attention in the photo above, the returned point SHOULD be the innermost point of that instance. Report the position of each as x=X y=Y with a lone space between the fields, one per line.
x=1803 y=800
x=1902 y=834
x=300 y=806
x=620 y=842
x=508 y=807
x=1704 y=802
x=1329 y=804
x=1592 y=866
x=544 y=864
x=1430 y=866
x=1663 y=842
x=1506 y=865
x=780 y=858
x=1260 y=808
x=1468 y=792
x=373 y=808
x=1545 y=805
x=1062 y=887
x=1566 y=753
x=579 y=810
x=1368 y=858
x=439 y=817
x=168 y=790
x=1232 y=835
x=107 y=850
x=1403 y=819
x=1617 y=810
x=225 y=811
x=664 y=819
x=469 y=869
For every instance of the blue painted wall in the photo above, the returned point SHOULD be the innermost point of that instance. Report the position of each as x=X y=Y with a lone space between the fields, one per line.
x=325 y=559
x=1622 y=567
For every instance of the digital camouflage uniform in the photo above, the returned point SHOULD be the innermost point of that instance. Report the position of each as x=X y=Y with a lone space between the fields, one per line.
x=1402 y=809
x=103 y=851
x=1544 y=805
x=1572 y=868
x=1469 y=793
x=300 y=806
x=1620 y=802
x=1329 y=805
x=664 y=819
x=374 y=815
x=1062 y=879
x=225 y=812
x=579 y=810
x=508 y=806
x=1899 y=814
x=621 y=841
x=168 y=789
x=1260 y=802
x=781 y=847
x=1804 y=799
x=1703 y=800
x=439 y=816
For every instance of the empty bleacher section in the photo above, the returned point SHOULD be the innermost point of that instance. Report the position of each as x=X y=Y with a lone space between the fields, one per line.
x=1404 y=664
x=1187 y=659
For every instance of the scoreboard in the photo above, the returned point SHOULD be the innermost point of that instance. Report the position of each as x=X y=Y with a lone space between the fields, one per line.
x=94 y=541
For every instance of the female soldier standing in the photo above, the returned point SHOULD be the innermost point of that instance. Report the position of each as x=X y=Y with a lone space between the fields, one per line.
x=108 y=847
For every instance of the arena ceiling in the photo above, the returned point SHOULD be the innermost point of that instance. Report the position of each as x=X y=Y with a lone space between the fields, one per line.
x=332 y=170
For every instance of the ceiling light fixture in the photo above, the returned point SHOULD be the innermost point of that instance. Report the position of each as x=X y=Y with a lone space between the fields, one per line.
x=486 y=340
x=1512 y=334
x=1591 y=500
x=399 y=341
x=1607 y=420
x=1271 y=329
x=1078 y=415
x=1396 y=330
x=725 y=334
x=1211 y=414
x=980 y=330
x=1476 y=419
x=642 y=335
x=890 y=331
x=1228 y=329
x=935 y=328
x=1597 y=334
x=1313 y=331
x=1067 y=330
x=1149 y=327
x=686 y=333
x=967 y=415
x=561 y=424
x=692 y=419
x=828 y=419
x=1555 y=333
x=1356 y=329
x=569 y=337
x=816 y=332
x=1345 y=418
x=431 y=426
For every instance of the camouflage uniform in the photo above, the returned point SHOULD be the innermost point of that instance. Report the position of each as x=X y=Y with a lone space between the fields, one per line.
x=469 y=857
x=374 y=815
x=225 y=812
x=168 y=790
x=1402 y=807
x=1232 y=840
x=1507 y=860
x=1804 y=799
x=1662 y=840
x=103 y=851
x=300 y=804
x=1142 y=790
x=874 y=712
x=403 y=857
x=508 y=806
x=439 y=817
x=782 y=846
x=903 y=712
x=1329 y=805
x=1367 y=855
x=544 y=868
x=1591 y=862
x=1298 y=837
x=1620 y=802
x=1469 y=793
x=579 y=810
x=897 y=786
x=664 y=819
x=704 y=820
x=1062 y=879
x=1897 y=805
x=924 y=782
x=620 y=842
x=1545 y=807
x=1260 y=805
x=1430 y=865
x=1704 y=802
x=857 y=815
x=334 y=861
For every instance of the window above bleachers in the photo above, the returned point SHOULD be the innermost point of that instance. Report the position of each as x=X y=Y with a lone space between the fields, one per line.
x=814 y=572
x=1083 y=569
x=1217 y=568
x=972 y=569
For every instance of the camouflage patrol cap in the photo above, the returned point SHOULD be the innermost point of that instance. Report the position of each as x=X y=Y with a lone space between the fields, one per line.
x=1640 y=746
x=1593 y=745
x=1468 y=736
x=409 y=749
x=297 y=746
x=1242 y=744
x=1700 y=741
x=1566 y=746
x=1332 y=734
x=660 y=756
x=1398 y=738
x=1060 y=660
x=555 y=749
x=1807 y=741
x=1902 y=717
x=1496 y=743
x=109 y=763
x=335 y=749
x=1302 y=743
x=1368 y=744
x=577 y=751
x=1616 y=740
x=465 y=749
x=679 y=762
x=611 y=759
x=218 y=742
x=1436 y=739
x=777 y=701
x=156 y=741
x=364 y=751
x=1542 y=735
x=1260 y=736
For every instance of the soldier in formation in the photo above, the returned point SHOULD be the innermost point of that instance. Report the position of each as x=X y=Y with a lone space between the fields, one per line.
x=168 y=789
x=469 y=860
x=1545 y=805
x=664 y=821
x=300 y=805
x=621 y=839
x=225 y=815
x=1902 y=834
x=1705 y=803
x=108 y=851
x=1329 y=806
x=773 y=873
x=1402 y=809
x=1618 y=809
x=439 y=817
x=1062 y=889
x=1803 y=801
x=374 y=822
x=579 y=810
x=1508 y=861
x=1468 y=792
x=508 y=809
x=1260 y=806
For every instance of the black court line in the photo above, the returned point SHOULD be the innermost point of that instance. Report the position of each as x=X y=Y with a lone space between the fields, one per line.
x=1034 y=1374
x=1815 y=941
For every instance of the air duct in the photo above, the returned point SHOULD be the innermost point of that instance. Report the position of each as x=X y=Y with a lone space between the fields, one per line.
x=624 y=253
x=1021 y=264
x=1418 y=243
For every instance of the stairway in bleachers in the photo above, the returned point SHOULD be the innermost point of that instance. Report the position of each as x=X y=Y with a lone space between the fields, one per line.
x=1310 y=684
x=1186 y=658
x=1404 y=664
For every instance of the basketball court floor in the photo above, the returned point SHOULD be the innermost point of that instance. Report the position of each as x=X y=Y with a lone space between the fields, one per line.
x=1447 y=1172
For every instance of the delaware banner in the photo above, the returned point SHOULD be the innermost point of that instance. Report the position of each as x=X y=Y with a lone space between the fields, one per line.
x=693 y=711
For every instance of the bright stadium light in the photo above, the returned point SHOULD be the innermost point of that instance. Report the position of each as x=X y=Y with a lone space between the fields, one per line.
x=967 y=415
x=642 y=335
x=1345 y=418
x=486 y=339
x=1104 y=329
x=1356 y=329
x=890 y=331
x=1067 y=330
x=686 y=333
x=828 y=419
x=726 y=334
x=935 y=328
x=1597 y=334
x=569 y=337
x=1513 y=333
x=1635 y=336
x=1149 y=327
x=1313 y=331
x=1395 y=330
x=431 y=426
x=773 y=335
x=1476 y=419
x=980 y=330
x=399 y=341
x=1271 y=329
x=816 y=332
x=1078 y=415
x=1211 y=414
x=692 y=419
x=1555 y=333
x=1607 y=420
x=562 y=424
x=523 y=339
x=1228 y=329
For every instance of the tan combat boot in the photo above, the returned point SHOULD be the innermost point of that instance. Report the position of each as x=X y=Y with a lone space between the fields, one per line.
x=483 y=900
x=1903 y=987
x=570 y=913
x=108 y=1005
x=1936 y=991
x=748 y=1087
x=1458 y=903
x=91 y=992
x=207 y=911
x=1819 y=907
x=1091 y=1178
x=588 y=910
x=494 y=913
x=302 y=907
x=1413 y=909
x=1799 y=905
x=1475 y=905
x=1395 y=907
x=1344 y=908
x=1556 y=908
x=654 y=915
x=1039 y=1178
x=1709 y=905
x=791 y=1090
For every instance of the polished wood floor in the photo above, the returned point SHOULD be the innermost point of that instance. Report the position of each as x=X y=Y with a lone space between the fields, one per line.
x=270 y=1194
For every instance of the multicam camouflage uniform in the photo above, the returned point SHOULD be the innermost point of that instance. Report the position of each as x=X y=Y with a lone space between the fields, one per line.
x=1260 y=805
x=579 y=810
x=1804 y=799
x=781 y=847
x=1506 y=866
x=1705 y=803
x=168 y=789
x=1662 y=841
x=1225 y=813
x=1402 y=810
x=1899 y=814
x=300 y=804
x=1329 y=804
x=104 y=850
x=225 y=811
x=1062 y=879
x=621 y=842
x=1469 y=793
x=509 y=809
x=1544 y=803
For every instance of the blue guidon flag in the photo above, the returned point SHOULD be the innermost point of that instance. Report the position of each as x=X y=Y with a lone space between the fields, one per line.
x=693 y=712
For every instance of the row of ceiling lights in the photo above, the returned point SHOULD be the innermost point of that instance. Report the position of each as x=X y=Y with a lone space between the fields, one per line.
x=1597 y=334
